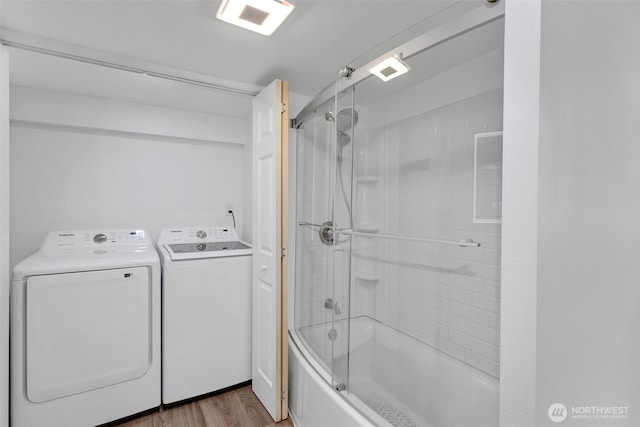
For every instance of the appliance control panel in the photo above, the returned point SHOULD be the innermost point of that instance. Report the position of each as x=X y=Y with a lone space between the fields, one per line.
x=200 y=234
x=96 y=238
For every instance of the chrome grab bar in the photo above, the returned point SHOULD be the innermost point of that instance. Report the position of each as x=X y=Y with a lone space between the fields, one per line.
x=309 y=224
x=468 y=243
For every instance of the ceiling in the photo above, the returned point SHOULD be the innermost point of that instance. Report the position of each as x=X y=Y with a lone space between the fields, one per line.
x=318 y=39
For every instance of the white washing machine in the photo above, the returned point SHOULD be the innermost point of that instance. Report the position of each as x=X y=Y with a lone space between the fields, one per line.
x=206 y=311
x=85 y=329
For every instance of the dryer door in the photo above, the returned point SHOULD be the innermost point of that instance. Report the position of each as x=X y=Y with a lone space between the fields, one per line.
x=86 y=330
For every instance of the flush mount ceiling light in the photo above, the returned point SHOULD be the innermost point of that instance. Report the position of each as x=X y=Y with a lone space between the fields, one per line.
x=261 y=16
x=390 y=68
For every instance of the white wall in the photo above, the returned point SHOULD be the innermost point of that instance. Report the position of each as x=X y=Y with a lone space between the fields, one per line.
x=247 y=185
x=81 y=162
x=121 y=117
x=571 y=323
x=588 y=337
x=519 y=219
x=5 y=270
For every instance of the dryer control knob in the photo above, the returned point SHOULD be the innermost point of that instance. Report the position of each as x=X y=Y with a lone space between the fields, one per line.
x=100 y=238
x=201 y=234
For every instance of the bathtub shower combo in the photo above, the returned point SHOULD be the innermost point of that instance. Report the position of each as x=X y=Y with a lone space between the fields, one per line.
x=398 y=211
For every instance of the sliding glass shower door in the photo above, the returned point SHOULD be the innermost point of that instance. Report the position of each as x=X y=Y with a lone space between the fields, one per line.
x=324 y=174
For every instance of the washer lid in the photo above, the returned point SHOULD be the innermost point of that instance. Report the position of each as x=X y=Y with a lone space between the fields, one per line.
x=183 y=243
x=186 y=251
x=184 y=248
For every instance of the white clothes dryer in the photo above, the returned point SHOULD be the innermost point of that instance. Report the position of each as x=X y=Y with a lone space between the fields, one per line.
x=85 y=329
x=206 y=311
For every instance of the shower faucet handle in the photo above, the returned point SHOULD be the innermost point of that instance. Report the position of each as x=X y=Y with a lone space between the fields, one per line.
x=330 y=304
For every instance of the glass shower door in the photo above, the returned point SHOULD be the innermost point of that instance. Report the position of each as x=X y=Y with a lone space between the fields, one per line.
x=313 y=256
x=322 y=254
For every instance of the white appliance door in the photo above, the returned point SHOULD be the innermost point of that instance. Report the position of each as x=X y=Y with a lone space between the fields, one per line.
x=86 y=330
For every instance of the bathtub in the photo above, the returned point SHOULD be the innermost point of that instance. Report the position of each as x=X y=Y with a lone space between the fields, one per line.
x=392 y=380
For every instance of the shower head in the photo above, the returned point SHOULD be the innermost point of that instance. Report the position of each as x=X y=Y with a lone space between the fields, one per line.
x=347 y=118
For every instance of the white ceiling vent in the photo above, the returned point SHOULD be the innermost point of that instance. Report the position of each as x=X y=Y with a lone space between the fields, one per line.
x=389 y=68
x=388 y=71
x=253 y=15
x=261 y=16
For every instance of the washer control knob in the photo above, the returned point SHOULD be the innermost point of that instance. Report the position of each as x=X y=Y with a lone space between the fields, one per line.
x=100 y=238
x=201 y=234
x=201 y=246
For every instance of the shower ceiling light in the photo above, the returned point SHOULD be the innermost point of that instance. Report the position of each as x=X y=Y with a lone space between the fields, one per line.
x=261 y=16
x=390 y=68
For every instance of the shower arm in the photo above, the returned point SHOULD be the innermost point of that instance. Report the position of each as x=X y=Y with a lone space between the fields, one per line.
x=467 y=243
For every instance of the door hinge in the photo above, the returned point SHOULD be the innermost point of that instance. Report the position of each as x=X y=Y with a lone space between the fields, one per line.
x=283 y=107
x=283 y=252
x=282 y=395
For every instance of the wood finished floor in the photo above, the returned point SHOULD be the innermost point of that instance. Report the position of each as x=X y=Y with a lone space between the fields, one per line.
x=235 y=408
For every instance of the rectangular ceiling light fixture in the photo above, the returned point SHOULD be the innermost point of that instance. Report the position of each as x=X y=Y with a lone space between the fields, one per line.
x=390 y=68
x=261 y=16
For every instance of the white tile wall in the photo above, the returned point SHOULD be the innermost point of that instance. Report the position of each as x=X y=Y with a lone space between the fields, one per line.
x=445 y=296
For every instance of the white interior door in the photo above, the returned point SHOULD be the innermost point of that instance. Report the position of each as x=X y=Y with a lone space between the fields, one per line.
x=269 y=338
x=5 y=273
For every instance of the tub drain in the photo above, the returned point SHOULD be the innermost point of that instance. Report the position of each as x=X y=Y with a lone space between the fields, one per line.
x=389 y=412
